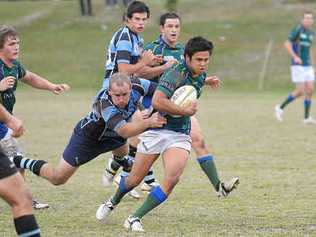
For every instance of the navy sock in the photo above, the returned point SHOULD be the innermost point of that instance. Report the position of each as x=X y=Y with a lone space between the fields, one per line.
x=27 y=226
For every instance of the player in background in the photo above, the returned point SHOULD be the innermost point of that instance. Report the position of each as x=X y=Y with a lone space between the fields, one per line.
x=172 y=141
x=298 y=45
x=11 y=72
x=126 y=54
x=12 y=186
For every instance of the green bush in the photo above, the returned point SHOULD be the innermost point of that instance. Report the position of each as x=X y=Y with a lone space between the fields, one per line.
x=171 y=5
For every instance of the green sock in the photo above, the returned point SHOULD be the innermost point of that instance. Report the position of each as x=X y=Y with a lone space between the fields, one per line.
x=120 y=192
x=307 y=106
x=208 y=166
x=154 y=199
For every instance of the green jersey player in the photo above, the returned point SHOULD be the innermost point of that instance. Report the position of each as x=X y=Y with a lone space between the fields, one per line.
x=298 y=46
x=11 y=73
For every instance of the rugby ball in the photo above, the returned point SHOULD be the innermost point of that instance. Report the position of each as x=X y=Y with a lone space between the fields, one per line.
x=184 y=95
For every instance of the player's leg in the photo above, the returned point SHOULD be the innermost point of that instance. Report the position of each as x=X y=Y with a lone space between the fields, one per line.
x=14 y=191
x=309 y=89
x=298 y=80
x=140 y=168
x=174 y=160
x=11 y=148
x=117 y=160
x=207 y=161
x=55 y=175
x=126 y=170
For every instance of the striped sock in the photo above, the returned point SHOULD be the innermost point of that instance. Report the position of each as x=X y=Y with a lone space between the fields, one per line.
x=26 y=226
x=26 y=163
x=149 y=178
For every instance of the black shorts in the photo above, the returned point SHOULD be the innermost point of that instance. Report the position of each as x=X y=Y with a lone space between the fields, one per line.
x=81 y=149
x=7 y=168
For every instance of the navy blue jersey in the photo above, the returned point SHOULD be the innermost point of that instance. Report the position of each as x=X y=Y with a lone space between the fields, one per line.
x=105 y=118
x=125 y=47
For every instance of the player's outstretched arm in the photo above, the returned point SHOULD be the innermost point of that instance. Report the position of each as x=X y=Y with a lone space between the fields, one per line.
x=39 y=82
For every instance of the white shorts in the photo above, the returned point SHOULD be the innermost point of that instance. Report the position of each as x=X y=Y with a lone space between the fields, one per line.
x=302 y=74
x=158 y=141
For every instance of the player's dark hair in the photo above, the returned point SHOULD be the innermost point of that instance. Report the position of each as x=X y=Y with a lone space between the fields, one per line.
x=137 y=7
x=168 y=15
x=5 y=32
x=197 y=44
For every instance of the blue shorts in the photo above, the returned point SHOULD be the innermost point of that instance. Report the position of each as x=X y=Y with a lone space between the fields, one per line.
x=81 y=149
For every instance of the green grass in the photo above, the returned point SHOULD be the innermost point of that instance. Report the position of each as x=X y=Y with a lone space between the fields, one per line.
x=275 y=162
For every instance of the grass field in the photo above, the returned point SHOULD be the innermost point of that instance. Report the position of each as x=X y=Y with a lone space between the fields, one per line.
x=275 y=161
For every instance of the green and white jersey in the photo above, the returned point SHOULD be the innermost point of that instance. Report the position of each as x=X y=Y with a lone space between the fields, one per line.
x=7 y=98
x=177 y=76
x=160 y=47
x=301 y=39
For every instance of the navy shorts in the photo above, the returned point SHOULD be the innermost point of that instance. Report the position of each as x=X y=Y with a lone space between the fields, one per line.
x=7 y=168
x=81 y=149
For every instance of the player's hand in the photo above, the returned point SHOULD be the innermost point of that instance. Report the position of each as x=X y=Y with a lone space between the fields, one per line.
x=146 y=113
x=169 y=63
x=213 y=81
x=156 y=120
x=190 y=109
x=297 y=60
x=16 y=125
x=60 y=88
x=6 y=83
x=158 y=59
x=148 y=58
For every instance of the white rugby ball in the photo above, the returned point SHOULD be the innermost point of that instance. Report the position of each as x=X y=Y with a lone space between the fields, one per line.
x=184 y=95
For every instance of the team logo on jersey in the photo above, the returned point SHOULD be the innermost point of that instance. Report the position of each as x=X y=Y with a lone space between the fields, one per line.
x=168 y=58
x=303 y=36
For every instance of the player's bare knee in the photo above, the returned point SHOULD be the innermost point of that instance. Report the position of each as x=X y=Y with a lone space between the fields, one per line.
x=22 y=202
x=58 y=180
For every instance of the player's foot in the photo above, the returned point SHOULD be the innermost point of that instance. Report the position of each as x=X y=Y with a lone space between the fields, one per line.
x=225 y=188
x=133 y=224
x=133 y=193
x=38 y=206
x=108 y=174
x=148 y=187
x=104 y=210
x=278 y=113
x=309 y=121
